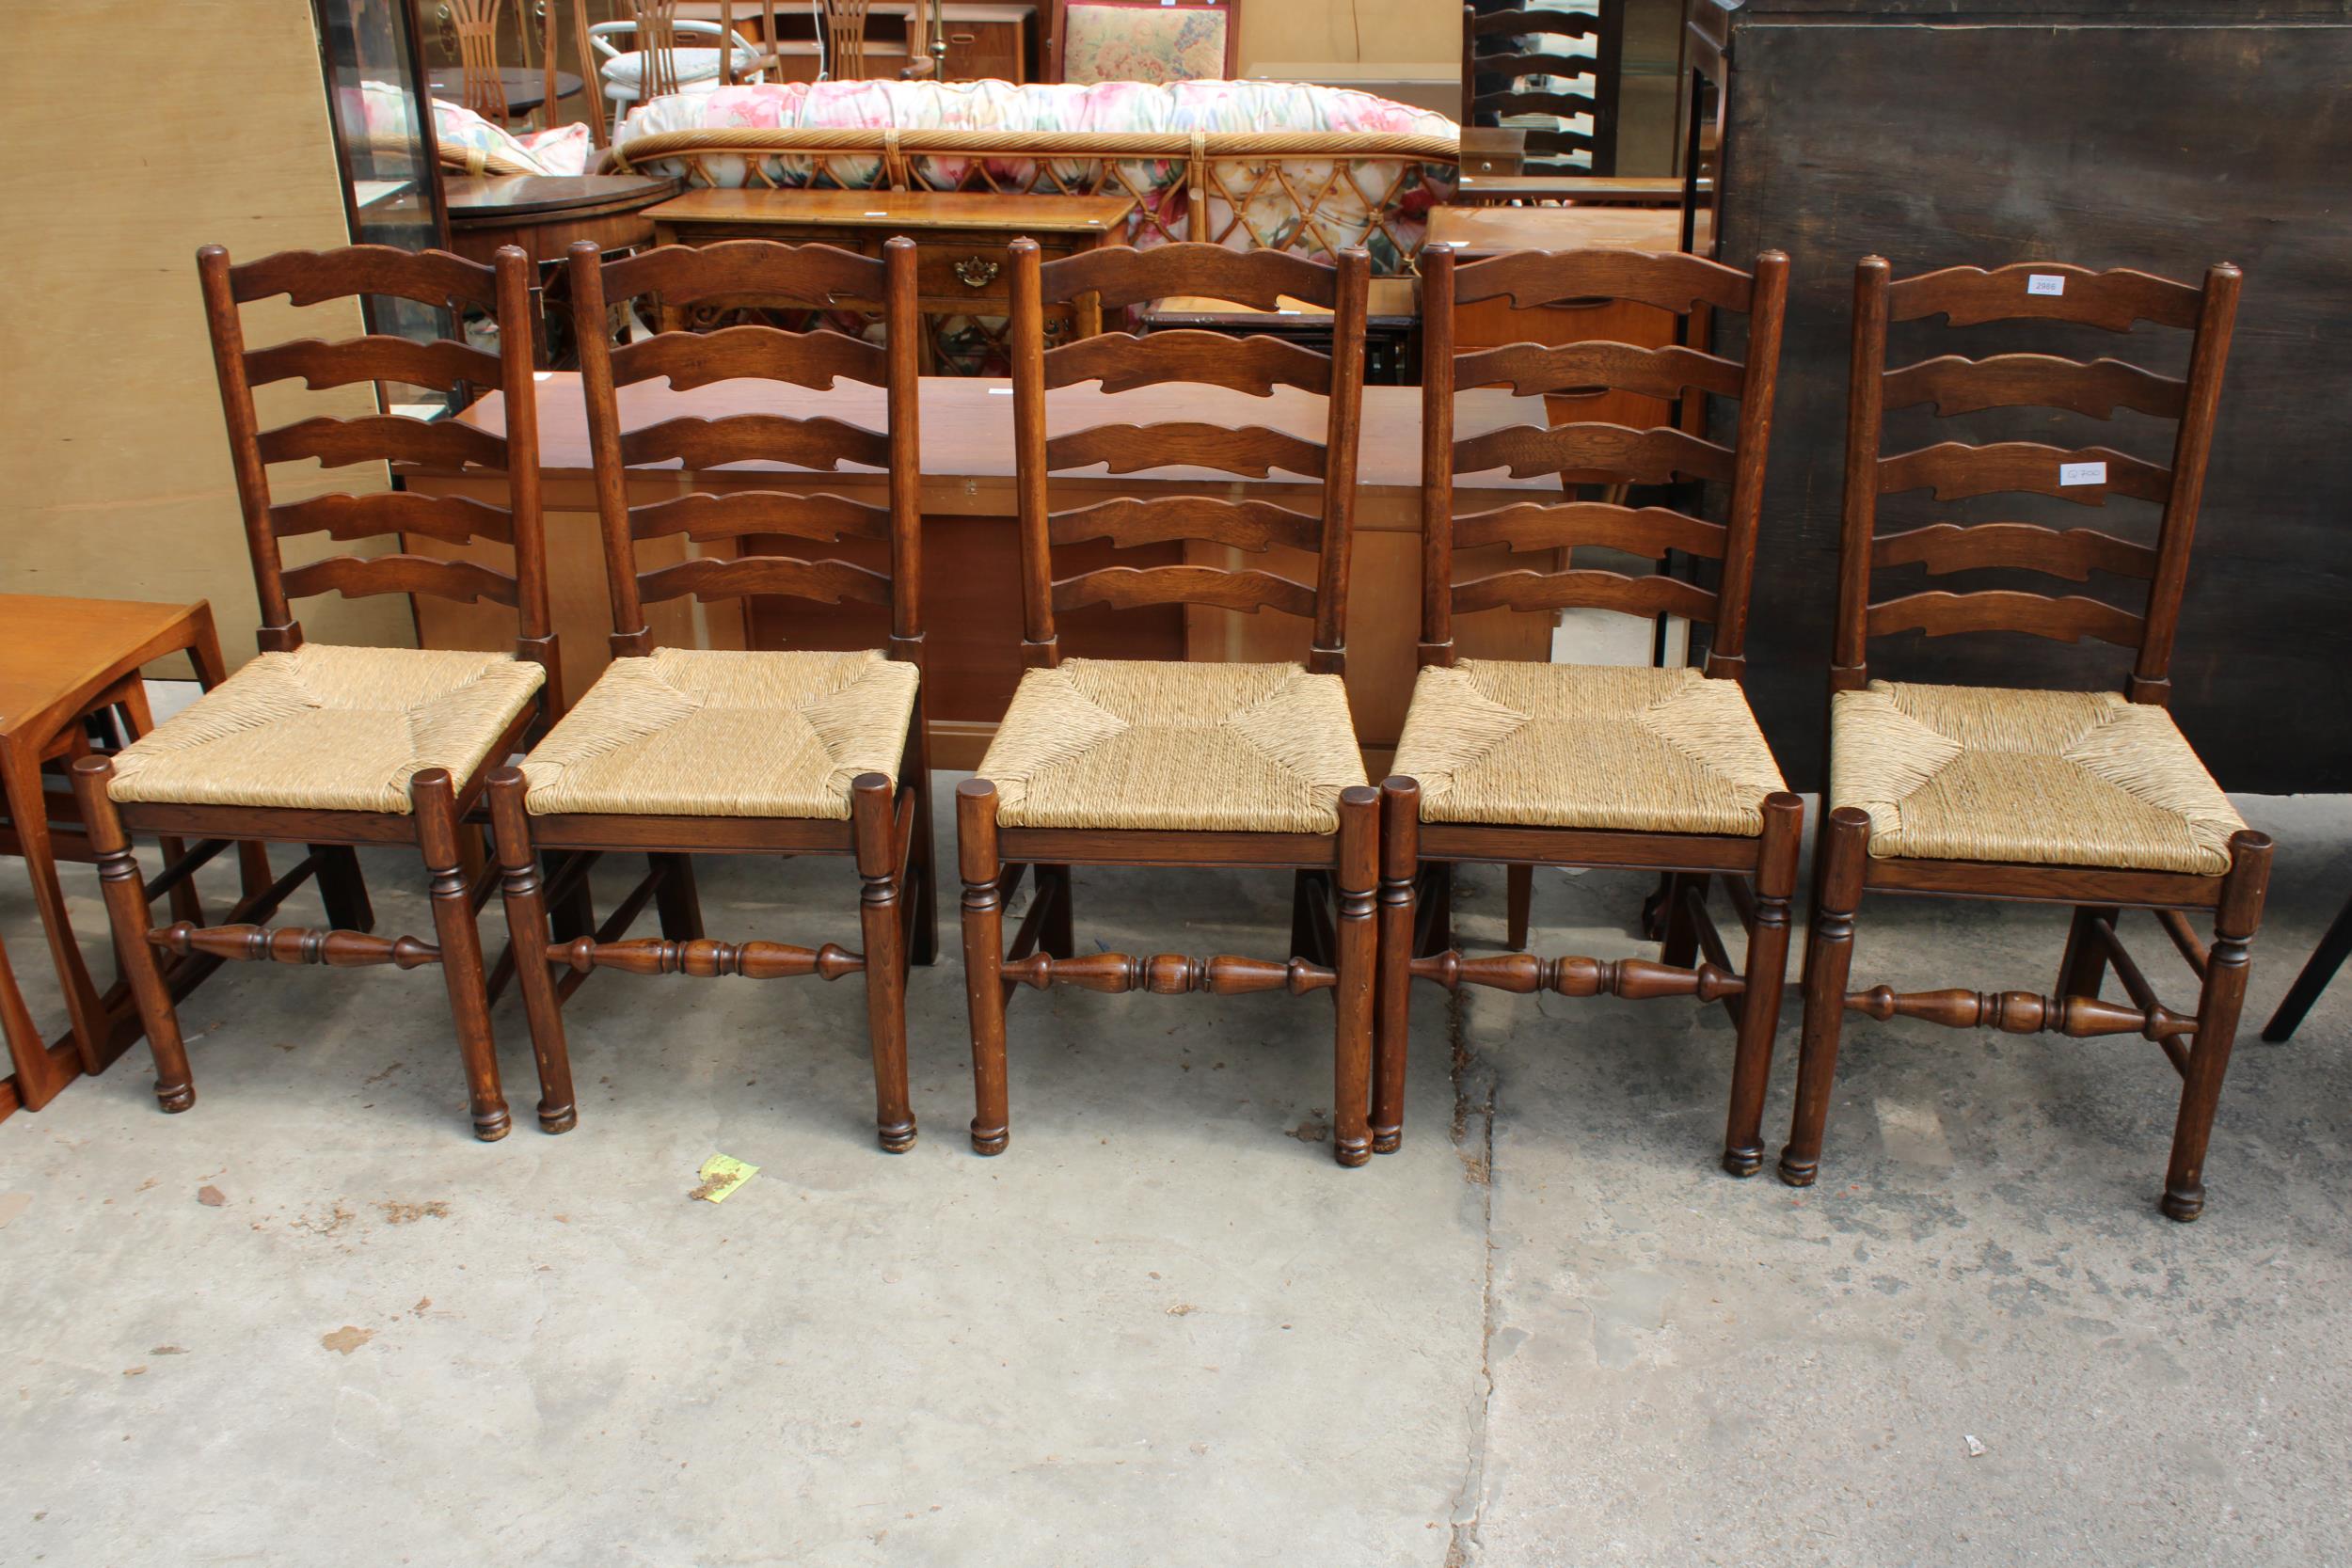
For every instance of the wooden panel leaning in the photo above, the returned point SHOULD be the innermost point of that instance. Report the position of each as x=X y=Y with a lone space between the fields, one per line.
x=334 y=747
x=2089 y=799
x=683 y=752
x=1528 y=765
x=1555 y=74
x=1137 y=762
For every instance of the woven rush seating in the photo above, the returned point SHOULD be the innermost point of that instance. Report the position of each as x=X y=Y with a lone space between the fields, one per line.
x=327 y=728
x=2046 y=778
x=1148 y=744
x=696 y=733
x=1586 y=746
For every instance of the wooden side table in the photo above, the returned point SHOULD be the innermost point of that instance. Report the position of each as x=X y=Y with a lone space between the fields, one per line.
x=65 y=662
x=545 y=214
x=1391 y=326
x=959 y=236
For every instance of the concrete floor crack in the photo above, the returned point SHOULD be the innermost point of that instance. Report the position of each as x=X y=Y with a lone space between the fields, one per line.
x=1473 y=1131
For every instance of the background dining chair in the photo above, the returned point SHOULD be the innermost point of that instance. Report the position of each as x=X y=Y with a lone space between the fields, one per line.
x=686 y=752
x=2092 y=798
x=1140 y=762
x=1552 y=71
x=655 y=64
x=1145 y=40
x=1594 y=766
x=339 y=746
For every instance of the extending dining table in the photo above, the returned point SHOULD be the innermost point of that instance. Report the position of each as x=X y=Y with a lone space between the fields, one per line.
x=971 y=577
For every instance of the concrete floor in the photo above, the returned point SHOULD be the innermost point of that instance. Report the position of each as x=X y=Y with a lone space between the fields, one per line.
x=1165 y=1328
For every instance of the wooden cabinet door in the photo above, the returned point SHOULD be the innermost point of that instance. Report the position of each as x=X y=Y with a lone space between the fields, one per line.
x=977 y=50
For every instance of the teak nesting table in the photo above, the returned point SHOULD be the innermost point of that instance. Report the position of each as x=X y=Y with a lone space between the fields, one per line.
x=69 y=659
x=960 y=267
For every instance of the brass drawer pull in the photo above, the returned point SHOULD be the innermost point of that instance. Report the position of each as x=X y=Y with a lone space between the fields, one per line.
x=976 y=272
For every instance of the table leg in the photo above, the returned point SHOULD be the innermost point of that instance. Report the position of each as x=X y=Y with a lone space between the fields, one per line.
x=30 y=809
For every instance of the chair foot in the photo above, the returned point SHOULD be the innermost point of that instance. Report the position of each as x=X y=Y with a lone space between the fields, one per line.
x=175 y=1098
x=559 y=1121
x=1746 y=1162
x=987 y=1140
x=1351 y=1155
x=1798 y=1173
x=1387 y=1143
x=493 y=1125
x=2182 y=1204
x=898 y=1137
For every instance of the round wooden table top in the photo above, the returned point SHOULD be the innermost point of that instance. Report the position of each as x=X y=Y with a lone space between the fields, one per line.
x=525 y=89
x=476 y=201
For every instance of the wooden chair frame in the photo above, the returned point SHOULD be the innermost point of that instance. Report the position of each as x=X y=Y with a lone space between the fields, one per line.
x=1606 y=27
x=888 y=832
x=1759 y=872
x=440 y=802
x=1845 y=869
x=1333 y=952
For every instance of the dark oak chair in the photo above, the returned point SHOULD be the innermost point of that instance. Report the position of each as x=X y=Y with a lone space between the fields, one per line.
x=336 y=746
x=2089 y=799
x=1599 y=766
x=679 y=752
x=1552 y=71
x=1139 y=762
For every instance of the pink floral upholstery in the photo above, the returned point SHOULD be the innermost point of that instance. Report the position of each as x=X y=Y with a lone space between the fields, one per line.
x=1312 y=203
x=468 y=140
x=1127 y=41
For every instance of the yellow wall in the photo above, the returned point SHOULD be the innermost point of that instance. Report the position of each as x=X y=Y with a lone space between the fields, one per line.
x=114 y=473
x=1385 y=32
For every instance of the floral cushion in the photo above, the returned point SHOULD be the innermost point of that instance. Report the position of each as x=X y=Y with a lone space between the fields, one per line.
x=383 y=110
x=1377 y=202
x=1123 y=41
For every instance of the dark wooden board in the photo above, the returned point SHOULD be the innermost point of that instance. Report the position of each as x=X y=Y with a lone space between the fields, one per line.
x=2168 y=142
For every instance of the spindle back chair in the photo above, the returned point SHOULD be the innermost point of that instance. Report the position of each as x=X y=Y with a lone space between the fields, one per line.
x=1525 y=64
x=480 y=87
x=333 y=746
x=1130 y=762
x=2093 y=799
x=1532 y=765
x=679 y=752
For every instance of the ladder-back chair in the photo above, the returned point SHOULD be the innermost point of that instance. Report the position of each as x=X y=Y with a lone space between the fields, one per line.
x=2089 y=799
x=1554 y=72
x=331 y=746
x=680 y=752
x=1598 y=766
x=1137 y=762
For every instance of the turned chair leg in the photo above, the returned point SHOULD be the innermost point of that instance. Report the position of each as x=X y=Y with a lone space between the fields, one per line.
x=677 y=902
x=924 y=862
x=2317 y=971
x=1767 y=973
x=873 y=817
x=2084 y=968
x=526 y=930
x=1356 y=879
x=1828 y=958
x=1400 y=876
x=439 y=829
x=1518 y=898
x=342 y=889
x=983 y=959
x=125 y=891
x=2218 y=1003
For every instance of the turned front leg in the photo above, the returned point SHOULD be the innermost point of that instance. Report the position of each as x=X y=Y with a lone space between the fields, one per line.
x=127 y=910
x=1828 y=958
x=983 y=959
x=1767 y=963
x=873 y=817
x=1400 y=876
x=2217 y=1006
x=434 y=798
x=1356 y=878
x=527 y=932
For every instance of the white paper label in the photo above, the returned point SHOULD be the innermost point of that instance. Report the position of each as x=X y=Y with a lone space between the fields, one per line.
x=2082 y=473
x=1000 y=392
x=2045 y=283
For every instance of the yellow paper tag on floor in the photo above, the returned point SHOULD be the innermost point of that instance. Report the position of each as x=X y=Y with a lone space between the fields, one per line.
x=721 y=1174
